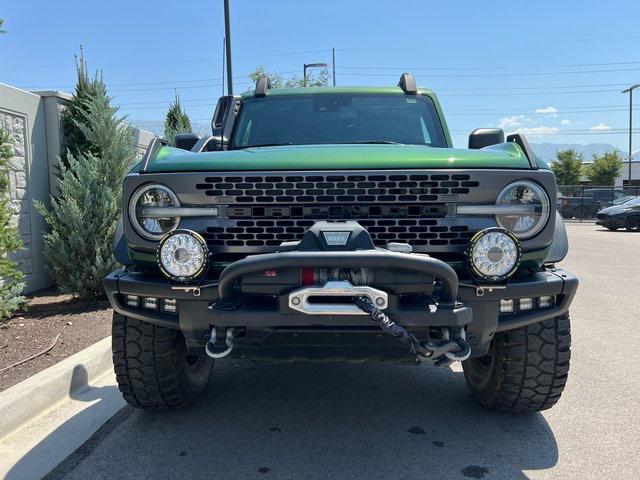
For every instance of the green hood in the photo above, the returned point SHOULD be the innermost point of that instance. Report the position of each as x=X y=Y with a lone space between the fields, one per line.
x=338 y=157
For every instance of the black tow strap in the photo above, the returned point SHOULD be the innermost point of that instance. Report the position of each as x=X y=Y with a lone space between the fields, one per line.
x=434 y=350
x=390 y=327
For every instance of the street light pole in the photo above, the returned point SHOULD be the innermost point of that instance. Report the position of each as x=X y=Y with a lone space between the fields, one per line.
x=630 y=92
x=333 y=55
x=310 y=65
x=227 y=36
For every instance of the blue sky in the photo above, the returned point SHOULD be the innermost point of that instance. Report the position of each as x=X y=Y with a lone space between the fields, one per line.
x=553 y=70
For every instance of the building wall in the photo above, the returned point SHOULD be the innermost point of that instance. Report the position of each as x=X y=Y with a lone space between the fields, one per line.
x=33 y=122
x=623 y=177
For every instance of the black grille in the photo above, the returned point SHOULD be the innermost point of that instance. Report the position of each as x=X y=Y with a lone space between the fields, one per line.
x=262 y=211
x=266 y=189
x=271 y=233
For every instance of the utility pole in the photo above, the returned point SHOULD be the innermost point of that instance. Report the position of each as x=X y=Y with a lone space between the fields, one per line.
x=333 y=55
x=224 y=41
x=227 y=36
x=630 y=92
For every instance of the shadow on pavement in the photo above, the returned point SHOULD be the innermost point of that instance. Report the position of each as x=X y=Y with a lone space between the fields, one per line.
x=308 y=421
x=38 y=461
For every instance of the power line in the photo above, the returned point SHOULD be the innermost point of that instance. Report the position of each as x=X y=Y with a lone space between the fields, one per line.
x=492 y=67
x=164 y=61
x=563 y=112
x=435 y=46
x=479 y=75
x=472 y=89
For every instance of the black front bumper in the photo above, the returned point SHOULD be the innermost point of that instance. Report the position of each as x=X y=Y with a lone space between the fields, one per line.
x=217 y=304
x=611 y=221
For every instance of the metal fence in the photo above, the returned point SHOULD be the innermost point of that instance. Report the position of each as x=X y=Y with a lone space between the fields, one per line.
x=582 y=203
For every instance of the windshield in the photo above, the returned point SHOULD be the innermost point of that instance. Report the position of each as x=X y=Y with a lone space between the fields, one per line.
x=635 y=201
x=338 y=119
x=622 y=200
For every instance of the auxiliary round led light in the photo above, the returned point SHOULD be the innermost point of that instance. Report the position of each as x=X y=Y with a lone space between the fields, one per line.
x=494 y=254
x=182 y=255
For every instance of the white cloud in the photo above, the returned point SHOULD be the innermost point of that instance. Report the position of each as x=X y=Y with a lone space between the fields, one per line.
x=601 y=127
x=538 y=131
x=553 y=111
x=565 y=121
x=512 y=121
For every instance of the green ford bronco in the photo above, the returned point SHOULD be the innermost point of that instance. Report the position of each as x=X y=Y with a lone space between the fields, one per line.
x=339 y=224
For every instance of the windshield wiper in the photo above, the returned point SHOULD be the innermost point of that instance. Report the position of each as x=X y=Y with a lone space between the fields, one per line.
x=380 y=142
x=264 y=145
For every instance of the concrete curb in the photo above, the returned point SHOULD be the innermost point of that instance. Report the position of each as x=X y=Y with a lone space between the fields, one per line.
x=42 y=391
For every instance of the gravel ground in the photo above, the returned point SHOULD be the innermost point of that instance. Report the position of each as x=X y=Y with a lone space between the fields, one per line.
x=79 y=323
x=319 y=421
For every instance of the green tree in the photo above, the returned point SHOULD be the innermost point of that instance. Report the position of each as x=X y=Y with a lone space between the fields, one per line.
x=76 y=112
x=605 y=168
x=567 y=166
x=82 y=218
x=1 y=30
x=320 y=79
x=176 y=121
x=11 y=279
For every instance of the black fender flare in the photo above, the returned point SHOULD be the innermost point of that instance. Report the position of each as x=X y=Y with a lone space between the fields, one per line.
x=560 y=243
x=120 y=250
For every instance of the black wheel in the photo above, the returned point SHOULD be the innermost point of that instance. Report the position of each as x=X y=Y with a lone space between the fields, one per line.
x=632 y=224
x=525 y=370
x=613 y=229
x=153 y=369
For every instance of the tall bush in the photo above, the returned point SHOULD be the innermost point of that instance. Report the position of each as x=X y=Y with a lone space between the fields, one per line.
x=77 y=111
x=11 y=284
x=82 y=218
x=176 y=121
x=605 y=168
x=568 y=166
x=320 y=79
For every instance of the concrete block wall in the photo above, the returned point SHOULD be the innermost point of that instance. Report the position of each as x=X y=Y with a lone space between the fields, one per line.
x=18 y=189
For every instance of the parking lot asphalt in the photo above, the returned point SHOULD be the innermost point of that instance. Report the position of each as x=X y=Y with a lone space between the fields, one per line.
x=369 y=421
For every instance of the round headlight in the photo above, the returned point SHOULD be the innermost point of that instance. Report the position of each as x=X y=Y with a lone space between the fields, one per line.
x=494 y=254
x=145 y=211
x=534 y=213
x=182 y=255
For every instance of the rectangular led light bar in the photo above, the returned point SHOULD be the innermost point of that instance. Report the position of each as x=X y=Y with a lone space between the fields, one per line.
x=169 y=305
x=526 y=304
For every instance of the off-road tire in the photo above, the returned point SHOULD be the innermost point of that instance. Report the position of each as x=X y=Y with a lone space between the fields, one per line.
x=633 y=224
x=525 y=370
x=152 y=367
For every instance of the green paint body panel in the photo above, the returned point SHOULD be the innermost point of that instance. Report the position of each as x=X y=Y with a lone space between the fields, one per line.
x=338 y=157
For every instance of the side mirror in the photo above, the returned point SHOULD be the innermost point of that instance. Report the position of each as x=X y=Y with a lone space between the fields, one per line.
x=483 y=137
x=221 y=111
x=186 y=141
